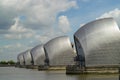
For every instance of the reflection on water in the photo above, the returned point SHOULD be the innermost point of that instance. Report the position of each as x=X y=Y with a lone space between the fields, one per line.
x=97 y=77
x=11 y=73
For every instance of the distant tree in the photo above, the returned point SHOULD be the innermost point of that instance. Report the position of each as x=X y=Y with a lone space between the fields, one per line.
x=3 y=62
x=11 y=62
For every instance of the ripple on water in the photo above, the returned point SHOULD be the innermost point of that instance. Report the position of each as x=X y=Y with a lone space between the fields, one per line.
x=11 y=73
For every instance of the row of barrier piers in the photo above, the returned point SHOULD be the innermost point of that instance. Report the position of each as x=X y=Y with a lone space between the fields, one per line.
x=74 y=69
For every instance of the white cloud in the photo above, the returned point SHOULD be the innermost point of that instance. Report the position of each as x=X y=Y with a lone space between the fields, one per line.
x=17 y=31
x=16 y=27
x=38 y=13
x=19 y=35
x=114 y=13
x=64 y=24
x=32 y=20
x=42 y=39
x=11 y=46
x=49 y=34
x=13 y=36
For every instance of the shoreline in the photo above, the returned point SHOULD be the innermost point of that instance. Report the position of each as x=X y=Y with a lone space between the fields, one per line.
x=7 y=65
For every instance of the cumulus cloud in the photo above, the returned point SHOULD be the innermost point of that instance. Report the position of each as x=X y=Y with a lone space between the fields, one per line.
x=11 y=46
x=49 y=34
x=32 y=20
x=17 y=31
x=27 y=16
x=64 y=24
x=16 y=27
x=19 y=35
x=38 y=13
x=114 y=13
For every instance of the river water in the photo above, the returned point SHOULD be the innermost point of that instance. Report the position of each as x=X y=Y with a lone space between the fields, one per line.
x=11 y=73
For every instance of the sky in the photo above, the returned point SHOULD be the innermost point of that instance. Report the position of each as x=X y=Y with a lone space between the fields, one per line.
x=25 y=24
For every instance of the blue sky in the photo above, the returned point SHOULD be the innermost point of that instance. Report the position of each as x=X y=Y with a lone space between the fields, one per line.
x=26 y=23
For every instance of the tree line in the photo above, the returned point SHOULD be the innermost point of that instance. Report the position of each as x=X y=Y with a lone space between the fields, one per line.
x=10 y=62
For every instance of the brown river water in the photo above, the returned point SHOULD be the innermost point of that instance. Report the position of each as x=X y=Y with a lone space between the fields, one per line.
x=12 y=73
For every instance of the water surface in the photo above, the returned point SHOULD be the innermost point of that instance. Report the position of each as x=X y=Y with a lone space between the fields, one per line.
x=11 y=73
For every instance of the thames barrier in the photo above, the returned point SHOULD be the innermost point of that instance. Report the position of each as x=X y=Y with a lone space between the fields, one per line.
x=96 y=49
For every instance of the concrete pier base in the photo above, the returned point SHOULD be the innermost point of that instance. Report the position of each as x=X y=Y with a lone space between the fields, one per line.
x=32 y=67
x=73 y=69
x=51 y=68
x=42 y=68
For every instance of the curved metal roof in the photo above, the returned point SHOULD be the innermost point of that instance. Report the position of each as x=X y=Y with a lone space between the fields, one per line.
x=27 y=57
x=59 y=51
x=21 y=59
x=38 y=55
x=98 y=42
